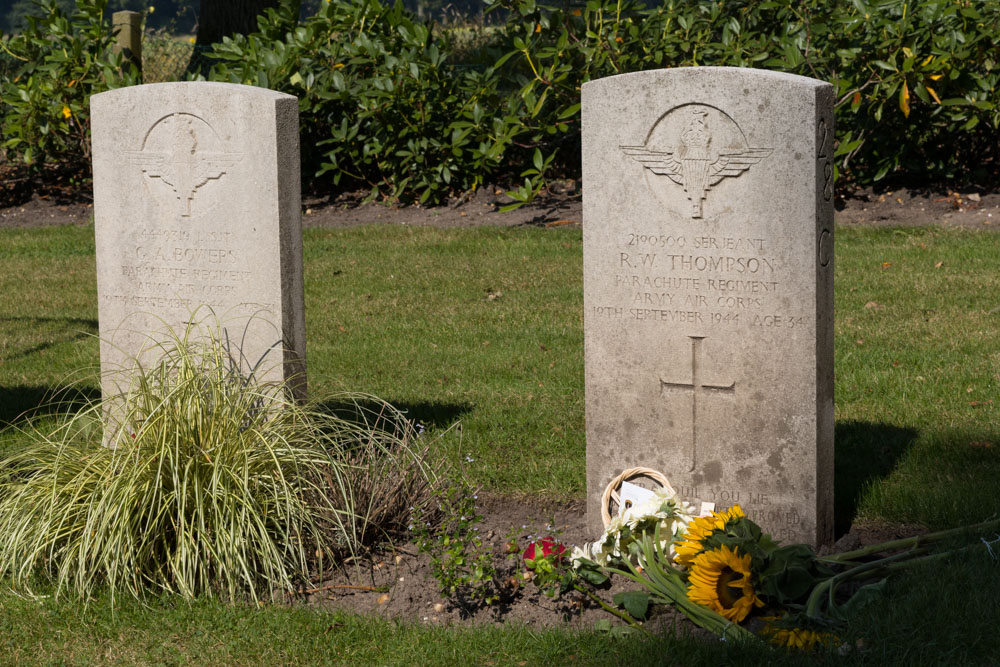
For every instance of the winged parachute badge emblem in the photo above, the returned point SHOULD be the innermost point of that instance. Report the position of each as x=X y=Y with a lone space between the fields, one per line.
x=696 y=146
x=180 y=155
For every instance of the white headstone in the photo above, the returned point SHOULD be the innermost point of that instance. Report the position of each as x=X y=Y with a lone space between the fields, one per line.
x=708 y=290
x=197 y=214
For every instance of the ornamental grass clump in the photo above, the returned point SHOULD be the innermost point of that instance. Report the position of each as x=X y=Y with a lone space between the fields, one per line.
x=211 y=484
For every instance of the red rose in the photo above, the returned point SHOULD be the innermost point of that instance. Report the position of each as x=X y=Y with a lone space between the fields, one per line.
x=548 y=546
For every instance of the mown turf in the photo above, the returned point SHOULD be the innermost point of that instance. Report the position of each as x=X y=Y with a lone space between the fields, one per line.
x=483 y=328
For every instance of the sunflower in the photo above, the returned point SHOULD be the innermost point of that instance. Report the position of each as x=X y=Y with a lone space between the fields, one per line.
x=799 y=638
x=700 y=529
x=720 y=580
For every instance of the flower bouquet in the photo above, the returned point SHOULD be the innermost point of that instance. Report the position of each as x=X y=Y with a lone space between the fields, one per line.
x=722 y=571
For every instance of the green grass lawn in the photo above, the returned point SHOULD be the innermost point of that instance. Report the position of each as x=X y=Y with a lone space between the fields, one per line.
x=483 y=328
x=203 y=633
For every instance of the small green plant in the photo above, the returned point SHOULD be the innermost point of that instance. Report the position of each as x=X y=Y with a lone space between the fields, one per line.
x=545 y=559
x=208 y=483
x=556 y=573
x=463 y=567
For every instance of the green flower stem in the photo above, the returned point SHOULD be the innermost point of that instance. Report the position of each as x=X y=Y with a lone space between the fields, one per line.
x=846 y=558
x=666 y=591
x=875 y=569
x=863 y=571
x=608 y=608
x=666 y=587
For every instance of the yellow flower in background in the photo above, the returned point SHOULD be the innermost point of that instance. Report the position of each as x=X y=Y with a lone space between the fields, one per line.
x=798 y=638
x=151 y=9
x=191 y=39
x=734 y=512
x=700 y=529
x=66 y=112
x=720 y=580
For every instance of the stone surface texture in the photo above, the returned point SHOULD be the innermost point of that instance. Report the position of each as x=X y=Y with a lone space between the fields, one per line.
x=708 y=290
x=198 y=219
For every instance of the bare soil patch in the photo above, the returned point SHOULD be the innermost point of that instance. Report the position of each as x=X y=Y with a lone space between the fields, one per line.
x=397 y=582
x=905 y=207
x=560 y=206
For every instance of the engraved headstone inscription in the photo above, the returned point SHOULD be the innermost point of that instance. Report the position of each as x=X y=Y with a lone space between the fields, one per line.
x=708 y=290
x=197 y=214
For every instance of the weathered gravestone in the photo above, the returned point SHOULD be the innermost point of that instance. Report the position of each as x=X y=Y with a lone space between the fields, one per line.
x=197 y=214
x=708 y=290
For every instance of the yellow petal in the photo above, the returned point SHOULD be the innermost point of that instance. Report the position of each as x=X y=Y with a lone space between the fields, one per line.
x=66 y=112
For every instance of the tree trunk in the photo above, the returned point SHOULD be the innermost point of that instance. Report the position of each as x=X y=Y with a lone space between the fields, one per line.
x=225 y=18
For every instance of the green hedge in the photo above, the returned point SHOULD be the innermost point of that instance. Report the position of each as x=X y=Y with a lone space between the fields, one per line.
x=384 y=105
x=379 y=106
x=52 y=68
x=916 y=80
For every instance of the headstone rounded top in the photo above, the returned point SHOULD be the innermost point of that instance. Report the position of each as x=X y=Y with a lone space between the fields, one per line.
x=201 y=88
x=703 y=74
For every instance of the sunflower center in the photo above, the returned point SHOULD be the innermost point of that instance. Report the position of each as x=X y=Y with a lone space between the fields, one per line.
x=728 y=594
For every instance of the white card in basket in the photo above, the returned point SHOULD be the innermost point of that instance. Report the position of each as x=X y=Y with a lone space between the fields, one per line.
x=631 y=495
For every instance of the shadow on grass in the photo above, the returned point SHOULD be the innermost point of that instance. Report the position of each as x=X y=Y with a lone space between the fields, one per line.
x=429 y=415
x=863 y=453
x=21 y=401
x=86 y=329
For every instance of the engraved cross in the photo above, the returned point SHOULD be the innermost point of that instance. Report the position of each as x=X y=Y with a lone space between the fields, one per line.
x=695 y=386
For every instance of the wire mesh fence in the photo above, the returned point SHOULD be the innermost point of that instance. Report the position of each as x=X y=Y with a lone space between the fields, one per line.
x=165 y=57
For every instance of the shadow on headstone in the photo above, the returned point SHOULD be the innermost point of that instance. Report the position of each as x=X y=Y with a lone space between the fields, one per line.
x=864 y=453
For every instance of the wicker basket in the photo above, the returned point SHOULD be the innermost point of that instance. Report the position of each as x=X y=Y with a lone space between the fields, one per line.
x=611 y=491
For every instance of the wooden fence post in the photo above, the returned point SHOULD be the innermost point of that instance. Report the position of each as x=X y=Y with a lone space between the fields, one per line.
x=127 y=27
